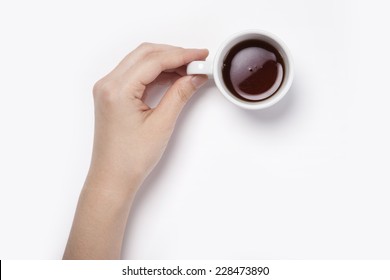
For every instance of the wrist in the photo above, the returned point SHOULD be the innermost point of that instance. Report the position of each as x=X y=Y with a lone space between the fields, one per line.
x=117 y=183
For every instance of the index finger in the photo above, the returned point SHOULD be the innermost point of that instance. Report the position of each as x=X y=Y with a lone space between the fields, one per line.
x=139 y=54
x=146 y=71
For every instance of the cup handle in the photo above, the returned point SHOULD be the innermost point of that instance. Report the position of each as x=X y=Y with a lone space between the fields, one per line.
x=200 y=68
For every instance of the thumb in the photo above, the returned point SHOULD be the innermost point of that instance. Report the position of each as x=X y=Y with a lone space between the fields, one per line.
x=178 y=95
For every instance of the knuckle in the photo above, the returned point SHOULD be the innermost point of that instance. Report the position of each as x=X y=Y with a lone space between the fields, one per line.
x=104 y=91
x=146 y=47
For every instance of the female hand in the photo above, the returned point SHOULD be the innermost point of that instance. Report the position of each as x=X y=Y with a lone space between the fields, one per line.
x=130 y=138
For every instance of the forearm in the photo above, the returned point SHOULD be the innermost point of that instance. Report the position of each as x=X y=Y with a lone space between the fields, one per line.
x=101 y=217
x=130 y=138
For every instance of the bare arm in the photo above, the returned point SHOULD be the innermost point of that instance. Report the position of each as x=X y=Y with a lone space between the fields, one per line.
x=130 y=139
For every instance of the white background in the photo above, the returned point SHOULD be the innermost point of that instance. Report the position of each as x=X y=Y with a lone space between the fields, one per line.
x=305 y=179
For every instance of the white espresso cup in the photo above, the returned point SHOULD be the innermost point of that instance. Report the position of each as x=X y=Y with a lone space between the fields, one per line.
x=213 y=69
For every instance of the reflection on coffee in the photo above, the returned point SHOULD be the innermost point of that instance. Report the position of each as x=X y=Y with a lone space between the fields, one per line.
x=253 y=70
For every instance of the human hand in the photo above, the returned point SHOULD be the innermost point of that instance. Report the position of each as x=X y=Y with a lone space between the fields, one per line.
x=130 y=137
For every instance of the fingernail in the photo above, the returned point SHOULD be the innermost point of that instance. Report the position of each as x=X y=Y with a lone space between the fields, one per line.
x=199 y=80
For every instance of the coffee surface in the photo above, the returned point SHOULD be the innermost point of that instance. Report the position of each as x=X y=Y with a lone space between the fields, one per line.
x=253 y=70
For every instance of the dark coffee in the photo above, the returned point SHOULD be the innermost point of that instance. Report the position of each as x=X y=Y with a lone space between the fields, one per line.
x=253 y=70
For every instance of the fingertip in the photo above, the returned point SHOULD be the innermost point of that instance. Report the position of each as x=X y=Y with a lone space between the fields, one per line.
x=205 y=52
x=201 y=52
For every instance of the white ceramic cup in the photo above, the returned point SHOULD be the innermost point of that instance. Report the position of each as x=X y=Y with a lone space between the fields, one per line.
x=213 y=69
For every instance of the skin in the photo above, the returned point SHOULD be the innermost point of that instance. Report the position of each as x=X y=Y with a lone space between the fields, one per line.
x=130 y=138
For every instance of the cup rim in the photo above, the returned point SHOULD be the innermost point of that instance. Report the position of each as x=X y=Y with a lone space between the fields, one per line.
x=262 y=103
